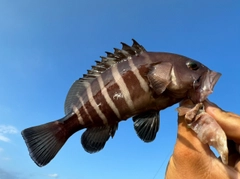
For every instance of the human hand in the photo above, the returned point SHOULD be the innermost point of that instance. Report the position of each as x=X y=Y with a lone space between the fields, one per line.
x=193 y=159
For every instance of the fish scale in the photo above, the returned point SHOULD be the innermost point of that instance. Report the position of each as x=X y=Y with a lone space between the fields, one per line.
x=130 y=82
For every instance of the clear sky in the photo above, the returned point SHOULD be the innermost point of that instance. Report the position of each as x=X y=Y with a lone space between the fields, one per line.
x=46 y=45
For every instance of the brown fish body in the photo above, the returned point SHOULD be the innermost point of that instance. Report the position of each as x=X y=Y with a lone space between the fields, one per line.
x=125 y=93
x=129 y=82
x=124 y=90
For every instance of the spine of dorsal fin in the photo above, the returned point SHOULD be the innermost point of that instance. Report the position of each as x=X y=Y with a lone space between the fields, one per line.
x=120 y=54
x=135 y=49
x=128 y=48
x=139 y=47
x=110 y=54
x=113 y=58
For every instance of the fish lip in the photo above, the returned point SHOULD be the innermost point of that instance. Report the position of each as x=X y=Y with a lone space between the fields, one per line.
x=215 y=78
x=208 y=81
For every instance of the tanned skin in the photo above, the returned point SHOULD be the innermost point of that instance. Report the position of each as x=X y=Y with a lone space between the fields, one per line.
x=193 y=159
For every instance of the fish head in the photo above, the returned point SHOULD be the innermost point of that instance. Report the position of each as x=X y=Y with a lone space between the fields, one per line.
x=195 y=78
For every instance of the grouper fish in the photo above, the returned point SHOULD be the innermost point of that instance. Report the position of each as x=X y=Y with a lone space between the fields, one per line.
x=130 y=82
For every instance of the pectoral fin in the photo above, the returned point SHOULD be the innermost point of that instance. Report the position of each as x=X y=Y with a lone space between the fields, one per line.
x=147 y=125
x=95 y=138
x=159 y=77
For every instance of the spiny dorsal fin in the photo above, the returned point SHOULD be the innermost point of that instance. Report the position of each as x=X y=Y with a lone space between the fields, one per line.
x=117 y=56
x=137 y=46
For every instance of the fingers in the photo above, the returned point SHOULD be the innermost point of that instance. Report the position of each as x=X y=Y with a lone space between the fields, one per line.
x=229 y=122
x=234 y=156
x=189 y=147
x=189 y=155
x=237 y=165
x=187 y=140
x=193 y=159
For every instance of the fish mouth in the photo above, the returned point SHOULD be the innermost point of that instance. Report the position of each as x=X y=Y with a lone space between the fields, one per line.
x=206 y=84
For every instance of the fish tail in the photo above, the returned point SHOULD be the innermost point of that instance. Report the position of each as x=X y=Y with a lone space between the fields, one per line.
x=44 y=141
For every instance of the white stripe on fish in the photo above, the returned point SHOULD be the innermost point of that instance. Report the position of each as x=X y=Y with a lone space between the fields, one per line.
x=95 y=105
x=123 y=87
x=107 y=97
x=143 y=83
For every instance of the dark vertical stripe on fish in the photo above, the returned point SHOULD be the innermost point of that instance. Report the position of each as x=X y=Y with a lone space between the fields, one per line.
x=86 y=108
x=110 y=104
x=113 y=95
x=117 y=97
x=136 y=85
x=92 y=104
x=84 y=112
x=76 y=111
x=135 y=70
x=101 y=97
x=124 y=92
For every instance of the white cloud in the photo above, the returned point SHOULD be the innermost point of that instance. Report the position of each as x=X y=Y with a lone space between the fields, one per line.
x=4 y=139
x=54 y=175
x=6 y=130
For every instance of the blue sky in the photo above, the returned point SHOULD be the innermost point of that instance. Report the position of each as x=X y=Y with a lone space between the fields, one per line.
x=46 y=45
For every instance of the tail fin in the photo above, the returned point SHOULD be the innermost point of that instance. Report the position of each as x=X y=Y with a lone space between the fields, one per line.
x=45 y=141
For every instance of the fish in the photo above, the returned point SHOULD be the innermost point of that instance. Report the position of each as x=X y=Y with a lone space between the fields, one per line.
x=130 y=82
x=206 y=127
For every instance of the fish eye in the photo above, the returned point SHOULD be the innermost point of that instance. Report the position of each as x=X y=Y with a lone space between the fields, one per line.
x=192 y=65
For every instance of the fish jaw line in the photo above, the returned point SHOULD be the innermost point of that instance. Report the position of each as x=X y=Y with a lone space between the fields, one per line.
x=207 y=85
x=205 y=88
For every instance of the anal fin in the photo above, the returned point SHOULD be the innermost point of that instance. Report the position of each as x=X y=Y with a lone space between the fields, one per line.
x=95 y=138
x=147 y=125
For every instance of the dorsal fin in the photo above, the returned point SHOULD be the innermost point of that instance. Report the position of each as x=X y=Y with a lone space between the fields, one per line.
x=80 y=85
x=139 y=48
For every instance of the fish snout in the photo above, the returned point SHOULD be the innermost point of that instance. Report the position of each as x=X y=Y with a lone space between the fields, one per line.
x=205 y=86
